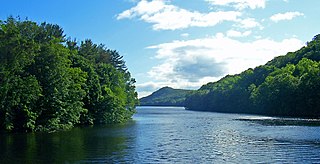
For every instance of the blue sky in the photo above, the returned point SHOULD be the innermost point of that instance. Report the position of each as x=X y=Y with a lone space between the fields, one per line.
x=181 y=43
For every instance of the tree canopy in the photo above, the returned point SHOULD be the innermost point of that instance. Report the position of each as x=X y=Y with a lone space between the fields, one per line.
x=49 y=83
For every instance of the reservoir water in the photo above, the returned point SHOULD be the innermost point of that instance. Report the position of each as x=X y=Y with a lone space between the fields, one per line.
x=172 y=135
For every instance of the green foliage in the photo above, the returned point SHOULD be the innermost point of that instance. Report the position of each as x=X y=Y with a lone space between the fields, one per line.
x=48 y=83
x=166 y=96
x=286 y=86
x=275 y=95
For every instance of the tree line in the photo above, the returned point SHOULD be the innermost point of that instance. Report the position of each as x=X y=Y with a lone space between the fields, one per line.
x=286 y=86
x=49 y=82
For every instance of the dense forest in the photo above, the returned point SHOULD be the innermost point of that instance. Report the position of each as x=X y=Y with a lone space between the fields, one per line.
x=166 y=96
x=49 y=82
x=286 y=86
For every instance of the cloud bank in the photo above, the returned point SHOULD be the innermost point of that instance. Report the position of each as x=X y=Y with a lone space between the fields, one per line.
x=164 y=16
x=239 y=4
x=285 y=16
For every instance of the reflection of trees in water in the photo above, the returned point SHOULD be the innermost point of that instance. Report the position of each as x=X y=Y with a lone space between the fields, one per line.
x=79 y=144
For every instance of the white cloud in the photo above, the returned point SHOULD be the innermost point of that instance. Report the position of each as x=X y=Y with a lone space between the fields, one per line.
x=249 y=23
x=164 y=16
x=192 y=63
x=143 y=7
x=233 y=33
x=239 y=4
x=285 y=16
x=185 y=35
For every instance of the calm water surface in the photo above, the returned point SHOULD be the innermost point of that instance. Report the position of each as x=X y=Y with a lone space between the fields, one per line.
x=171 y=135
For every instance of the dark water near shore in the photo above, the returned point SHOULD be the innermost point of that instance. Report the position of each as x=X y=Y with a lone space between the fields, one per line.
x=172 y=135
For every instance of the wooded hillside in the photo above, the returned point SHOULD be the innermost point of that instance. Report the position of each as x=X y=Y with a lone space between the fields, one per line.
x=286 y=86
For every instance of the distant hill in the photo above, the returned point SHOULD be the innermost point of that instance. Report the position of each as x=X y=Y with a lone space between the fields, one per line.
x=166 y=96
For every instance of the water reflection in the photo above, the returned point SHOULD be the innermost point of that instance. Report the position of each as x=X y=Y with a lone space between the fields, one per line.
x=78 y=145
x=170 y=135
